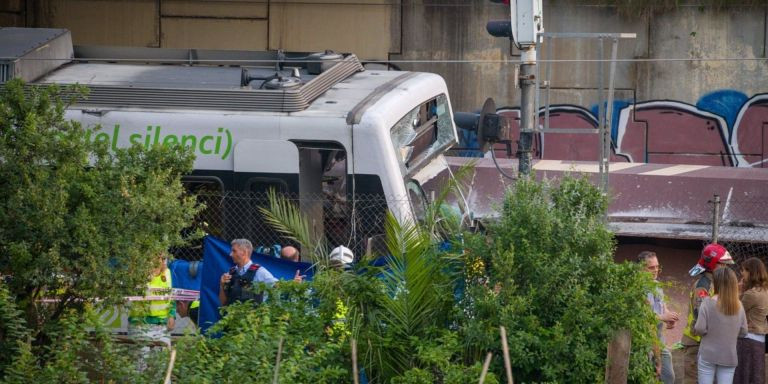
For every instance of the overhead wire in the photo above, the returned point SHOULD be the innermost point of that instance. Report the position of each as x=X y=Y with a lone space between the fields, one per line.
x=98 y=60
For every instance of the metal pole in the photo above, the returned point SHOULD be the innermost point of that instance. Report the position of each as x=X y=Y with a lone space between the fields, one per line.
x=715 y=218
x=549 y=94
x=601 y=110
x=606 y=138
x=527 y=112
x=505 y=349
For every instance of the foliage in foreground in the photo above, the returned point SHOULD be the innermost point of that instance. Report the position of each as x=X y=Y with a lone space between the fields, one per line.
x=397 y=313
x=78 y=221
x=79 y=218
x=246 y=342
x=546 y=272
x=79 y=350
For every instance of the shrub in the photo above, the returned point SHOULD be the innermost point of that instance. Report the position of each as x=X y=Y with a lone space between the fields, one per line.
x=550 y=279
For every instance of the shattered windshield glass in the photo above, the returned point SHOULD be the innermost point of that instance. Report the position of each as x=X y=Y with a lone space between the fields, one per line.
x=423 y=133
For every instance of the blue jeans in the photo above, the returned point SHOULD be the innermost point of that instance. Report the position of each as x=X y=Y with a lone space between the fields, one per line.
x=708 y=372
x=667 y=371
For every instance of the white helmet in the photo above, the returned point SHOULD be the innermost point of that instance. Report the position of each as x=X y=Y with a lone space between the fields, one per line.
x=341 y=255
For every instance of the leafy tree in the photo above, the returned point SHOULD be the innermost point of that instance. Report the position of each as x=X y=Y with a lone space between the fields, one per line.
x=79 y=221
x=545 y=271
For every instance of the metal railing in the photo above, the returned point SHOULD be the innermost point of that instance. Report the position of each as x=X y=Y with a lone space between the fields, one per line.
x=741 y=225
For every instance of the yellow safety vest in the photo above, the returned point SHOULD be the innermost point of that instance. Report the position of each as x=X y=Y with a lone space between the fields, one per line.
x=704 y=281
x=155 y=308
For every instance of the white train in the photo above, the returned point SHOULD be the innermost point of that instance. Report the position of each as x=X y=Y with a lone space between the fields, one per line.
x=255 y=120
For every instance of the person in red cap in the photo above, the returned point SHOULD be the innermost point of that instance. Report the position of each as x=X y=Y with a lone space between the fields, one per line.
x=713 y=256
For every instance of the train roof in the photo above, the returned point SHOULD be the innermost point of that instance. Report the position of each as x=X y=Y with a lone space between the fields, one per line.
x=215 y=80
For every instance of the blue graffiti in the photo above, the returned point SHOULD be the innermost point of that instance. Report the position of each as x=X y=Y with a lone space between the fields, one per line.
x=725 y=103
x=468 y=143
x=618 y=105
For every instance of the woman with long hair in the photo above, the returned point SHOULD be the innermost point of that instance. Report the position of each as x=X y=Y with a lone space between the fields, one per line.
x=721 y=322
x=754 y=299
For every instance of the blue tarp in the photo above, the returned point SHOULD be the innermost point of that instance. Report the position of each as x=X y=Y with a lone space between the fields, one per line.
x=180 y=277
x=217 y=262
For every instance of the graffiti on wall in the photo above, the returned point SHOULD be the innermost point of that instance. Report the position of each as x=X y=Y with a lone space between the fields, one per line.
x=725 y=128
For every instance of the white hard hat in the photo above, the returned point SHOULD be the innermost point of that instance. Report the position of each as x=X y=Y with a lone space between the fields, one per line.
x=342 y=254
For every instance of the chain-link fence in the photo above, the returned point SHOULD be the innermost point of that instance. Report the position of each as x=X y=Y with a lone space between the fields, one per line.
x=741 y=225
x=356 y=222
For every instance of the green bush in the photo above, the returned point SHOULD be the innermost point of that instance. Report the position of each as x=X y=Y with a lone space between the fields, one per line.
x=78 y=350
x=79 y=220
x=550 y=279
x=246 y=340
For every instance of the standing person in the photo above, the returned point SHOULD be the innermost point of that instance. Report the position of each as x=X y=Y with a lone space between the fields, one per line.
x=713 y=256
x=721 y=322
x=153 y=320
x=754 y=299
x=662 y=356
x=237 y=284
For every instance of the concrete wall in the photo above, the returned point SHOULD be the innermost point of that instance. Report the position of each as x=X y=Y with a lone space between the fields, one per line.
x=444 y=30
x=365 y=27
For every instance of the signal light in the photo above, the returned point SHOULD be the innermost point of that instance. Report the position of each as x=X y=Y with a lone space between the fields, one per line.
x=499 y=28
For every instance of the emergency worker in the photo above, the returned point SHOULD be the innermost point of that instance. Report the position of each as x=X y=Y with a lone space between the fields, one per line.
x=341 y=257
x=237 y=284
x=152 y=320
x=713 y=256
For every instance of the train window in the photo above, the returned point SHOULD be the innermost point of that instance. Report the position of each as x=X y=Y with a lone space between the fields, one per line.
x=264 y=184
x=202 y=184
x=208 y=191
x=423 y=132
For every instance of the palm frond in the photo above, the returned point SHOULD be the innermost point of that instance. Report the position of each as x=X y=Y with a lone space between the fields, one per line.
x=437 y=220
x=286 y=218
x=412 y=302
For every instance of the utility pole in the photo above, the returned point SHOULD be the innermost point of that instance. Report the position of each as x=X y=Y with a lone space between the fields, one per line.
x=527 y=109
x=524 y=25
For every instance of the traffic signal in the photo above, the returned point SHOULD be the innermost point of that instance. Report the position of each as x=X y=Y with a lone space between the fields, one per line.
x=524 y=24
x=500 y=28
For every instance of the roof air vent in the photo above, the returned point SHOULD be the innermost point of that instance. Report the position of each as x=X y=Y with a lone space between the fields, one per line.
x=319 y=62
x=282 y=82
x=276 y=81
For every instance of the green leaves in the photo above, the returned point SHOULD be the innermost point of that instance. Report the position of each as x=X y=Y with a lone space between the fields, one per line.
x=78 y=222
x=553 y=283
x=247 y=347
x=288 y=219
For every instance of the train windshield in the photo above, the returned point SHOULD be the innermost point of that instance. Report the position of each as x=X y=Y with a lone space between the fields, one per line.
x=423 y=134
